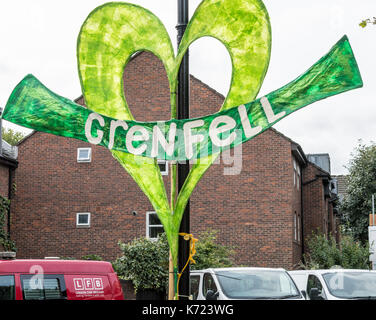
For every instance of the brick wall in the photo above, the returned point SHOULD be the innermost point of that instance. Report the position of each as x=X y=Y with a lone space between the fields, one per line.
x=318 y=210
x=253 y=210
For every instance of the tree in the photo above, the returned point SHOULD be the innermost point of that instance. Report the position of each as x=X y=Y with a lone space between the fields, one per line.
x=11 y=136
x=361 y=184
x=325 y=253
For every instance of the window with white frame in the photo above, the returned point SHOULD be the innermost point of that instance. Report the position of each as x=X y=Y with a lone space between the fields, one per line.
x=83 y=154
x=297 y=227
x=154 y=226
x=83 y=220
x=297 y=174
x=163 y=167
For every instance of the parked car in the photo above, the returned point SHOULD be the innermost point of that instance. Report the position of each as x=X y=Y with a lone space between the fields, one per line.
x=58 y=279
x=242 y=284
x=336 y=284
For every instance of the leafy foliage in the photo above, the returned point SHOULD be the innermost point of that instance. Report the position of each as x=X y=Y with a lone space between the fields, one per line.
x=210 y=254
x=324 y=253
x=145 y=262
x=361 y=184
x=5 y=242
x=11 y=136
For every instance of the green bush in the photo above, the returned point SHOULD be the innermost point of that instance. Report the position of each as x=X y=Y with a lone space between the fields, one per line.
x=145 y=262
x=211 y=254
x=5 y=242
x=325 y=253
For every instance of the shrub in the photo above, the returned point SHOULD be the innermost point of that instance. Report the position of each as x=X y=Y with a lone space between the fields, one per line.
x=5 y=242
x=325 y=253
x=145 y=262
x=211 y=254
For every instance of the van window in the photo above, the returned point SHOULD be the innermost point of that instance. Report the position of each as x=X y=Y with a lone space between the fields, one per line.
x=195 y=285
x=208 y=284
x=314 y=282
x=44 y=287
x=7 y=288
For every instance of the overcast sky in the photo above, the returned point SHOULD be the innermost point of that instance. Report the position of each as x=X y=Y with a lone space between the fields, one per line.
x=39 y=37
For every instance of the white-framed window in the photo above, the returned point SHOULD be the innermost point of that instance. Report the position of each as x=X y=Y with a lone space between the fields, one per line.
x=163 y=167
x=297 y=174
x=83 y=154
x=297 y=227
x=154 y=226
x=83 y=220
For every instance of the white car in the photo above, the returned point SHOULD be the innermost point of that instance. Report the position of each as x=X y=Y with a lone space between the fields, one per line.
x=243 y=284
x=336 y=284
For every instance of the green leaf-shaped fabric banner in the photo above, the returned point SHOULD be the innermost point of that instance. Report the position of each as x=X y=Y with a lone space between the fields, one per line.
x=115 y=31
x=32 y=105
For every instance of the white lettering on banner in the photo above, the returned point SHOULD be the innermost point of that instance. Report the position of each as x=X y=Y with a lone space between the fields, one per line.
x=269 y=111
x=214 y=130
x=190 y=139
x=144 y=136
x=159 y=138
x=114 y=125
x=247 y=128
x=219 y=125
x=94 y=116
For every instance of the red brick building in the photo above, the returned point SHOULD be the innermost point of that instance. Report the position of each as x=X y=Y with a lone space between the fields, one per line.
x=64 y=207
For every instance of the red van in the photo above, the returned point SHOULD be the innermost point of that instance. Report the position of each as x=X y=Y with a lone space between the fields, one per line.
x=58 y=279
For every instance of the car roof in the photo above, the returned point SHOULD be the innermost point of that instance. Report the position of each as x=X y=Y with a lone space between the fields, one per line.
x=55 y=266
x=322 y=271
x=238 y=269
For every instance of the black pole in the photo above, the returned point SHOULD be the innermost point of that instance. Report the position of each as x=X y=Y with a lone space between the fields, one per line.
x=183 y=168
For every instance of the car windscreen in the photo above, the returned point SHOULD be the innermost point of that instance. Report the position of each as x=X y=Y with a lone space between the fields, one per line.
x=351 y=285
x=257 y=284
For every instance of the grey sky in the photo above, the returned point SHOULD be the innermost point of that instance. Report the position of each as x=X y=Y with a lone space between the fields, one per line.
x=39 y=37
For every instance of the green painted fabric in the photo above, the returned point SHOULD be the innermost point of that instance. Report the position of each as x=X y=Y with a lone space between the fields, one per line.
x=109 y=37
x=336 y=72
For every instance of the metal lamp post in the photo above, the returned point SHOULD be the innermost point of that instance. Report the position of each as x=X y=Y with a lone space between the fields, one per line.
x=183 y=168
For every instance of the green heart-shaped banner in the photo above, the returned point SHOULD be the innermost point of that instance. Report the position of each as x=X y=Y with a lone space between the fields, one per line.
x=110 y=36
x=174 y=139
